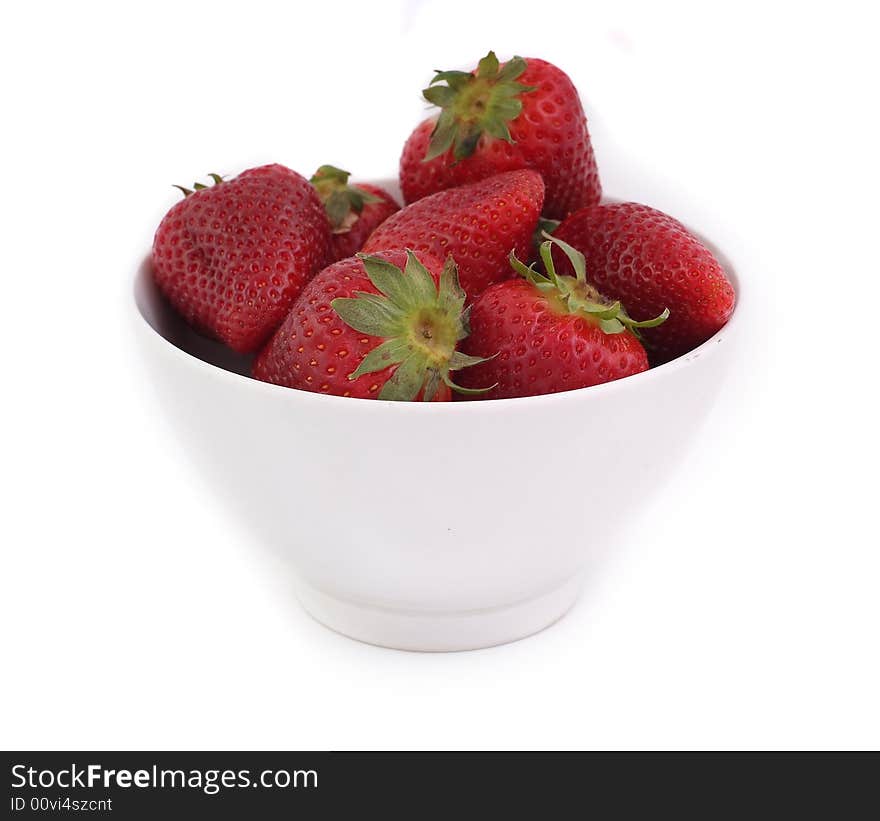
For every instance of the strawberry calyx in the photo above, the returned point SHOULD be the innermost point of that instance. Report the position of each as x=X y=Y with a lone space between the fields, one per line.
x=474 y=103
x=198 y=186
x=343 y=202
x=421 y=323
x=575 y=294
x=545 y=227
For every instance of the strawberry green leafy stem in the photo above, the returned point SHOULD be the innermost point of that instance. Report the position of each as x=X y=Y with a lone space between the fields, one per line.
x=198 y=186
x=576 y=294
x=343 y=202
x=473 y=103
x=420 y=322
x=545 y=226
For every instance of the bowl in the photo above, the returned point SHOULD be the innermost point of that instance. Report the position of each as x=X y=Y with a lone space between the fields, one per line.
x=430 y=526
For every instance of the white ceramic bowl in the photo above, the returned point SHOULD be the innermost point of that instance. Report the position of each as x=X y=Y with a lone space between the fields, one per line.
x=430 y=526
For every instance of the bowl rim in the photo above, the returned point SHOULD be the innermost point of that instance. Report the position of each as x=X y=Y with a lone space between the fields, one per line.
x=688 y=359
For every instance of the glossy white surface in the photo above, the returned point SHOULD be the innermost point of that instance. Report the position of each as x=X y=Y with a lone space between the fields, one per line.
x=413 y=525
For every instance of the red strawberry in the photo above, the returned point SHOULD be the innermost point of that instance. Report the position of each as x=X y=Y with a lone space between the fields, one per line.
x=478 y=224
x=545 y=334
x=232 y=258
x=384 y=326
x=650 y=261
x=354 y=210
x=521 y=114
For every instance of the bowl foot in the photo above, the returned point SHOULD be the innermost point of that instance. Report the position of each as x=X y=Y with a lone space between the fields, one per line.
x=439 y=631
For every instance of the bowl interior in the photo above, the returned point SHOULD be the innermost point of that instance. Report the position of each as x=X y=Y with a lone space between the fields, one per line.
x=161 y=317
x=166 y=322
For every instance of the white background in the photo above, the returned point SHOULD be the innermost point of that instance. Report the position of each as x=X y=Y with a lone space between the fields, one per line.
x=137 y=614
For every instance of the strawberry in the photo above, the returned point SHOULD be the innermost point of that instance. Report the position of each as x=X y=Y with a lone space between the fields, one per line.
x=232 y=258
x=382 y=326
x=354 y=210
x=650 y=261
x=478 y=224
x=525 y=113
x=550 y=333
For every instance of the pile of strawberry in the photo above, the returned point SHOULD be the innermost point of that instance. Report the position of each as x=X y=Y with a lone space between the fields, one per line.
x=463 y=291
